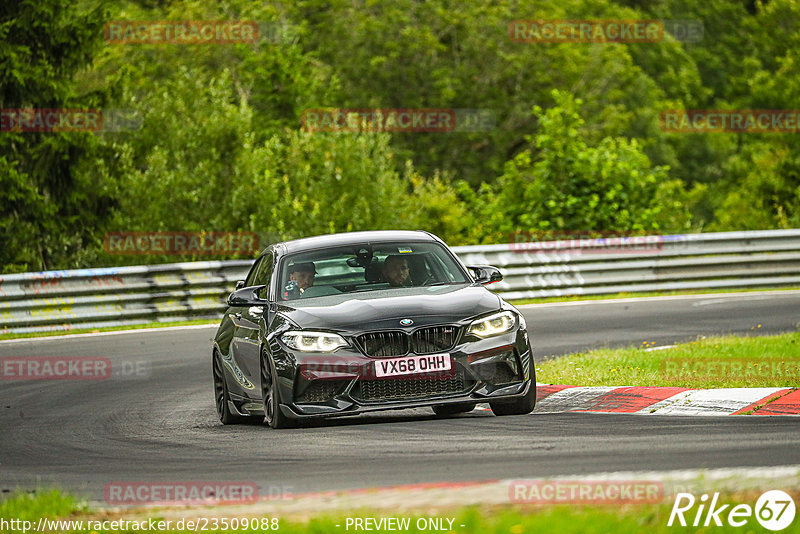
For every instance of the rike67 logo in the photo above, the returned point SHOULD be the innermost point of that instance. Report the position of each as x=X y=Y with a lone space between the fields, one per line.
x=774 y=510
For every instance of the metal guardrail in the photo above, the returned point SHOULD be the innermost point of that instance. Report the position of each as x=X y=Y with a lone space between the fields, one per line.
x=651 y=263
x=96 y=298
x=116 y=296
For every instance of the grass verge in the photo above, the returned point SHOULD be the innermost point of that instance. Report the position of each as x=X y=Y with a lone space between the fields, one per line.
x=714 y=362
x=508 y=519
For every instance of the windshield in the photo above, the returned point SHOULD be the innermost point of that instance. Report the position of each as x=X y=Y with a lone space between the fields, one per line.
x=368 y=267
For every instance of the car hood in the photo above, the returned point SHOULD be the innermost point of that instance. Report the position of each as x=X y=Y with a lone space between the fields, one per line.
x=379 y=310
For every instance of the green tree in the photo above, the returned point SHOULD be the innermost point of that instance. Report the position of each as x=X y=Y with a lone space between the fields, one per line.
x=768 y=195
x=50 y=209
x=562 y=183
x=449 y=54
x=299 y=184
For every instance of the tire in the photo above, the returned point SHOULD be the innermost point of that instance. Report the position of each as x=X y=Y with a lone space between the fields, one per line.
x=221 y=396
x=522 y=406
x=453 y=409
x=273 y=416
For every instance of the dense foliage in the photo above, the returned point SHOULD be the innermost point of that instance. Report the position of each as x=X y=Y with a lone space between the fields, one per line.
x=576 y=142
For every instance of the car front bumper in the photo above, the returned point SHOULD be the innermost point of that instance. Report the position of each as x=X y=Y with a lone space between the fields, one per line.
x=499 y=368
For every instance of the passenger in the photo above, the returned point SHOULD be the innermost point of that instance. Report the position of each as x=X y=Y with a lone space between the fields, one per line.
x=303 y=274
x=395 y=271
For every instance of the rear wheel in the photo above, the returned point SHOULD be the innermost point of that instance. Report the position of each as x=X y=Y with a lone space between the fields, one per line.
x=453 y=409
x=520 y=406
x=273 y=416
x=221 y=396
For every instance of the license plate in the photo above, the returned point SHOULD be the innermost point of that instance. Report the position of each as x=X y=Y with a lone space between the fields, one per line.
x=410 y=365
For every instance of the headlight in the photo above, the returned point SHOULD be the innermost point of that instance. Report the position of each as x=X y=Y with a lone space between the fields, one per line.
x=496 y=324
x=313 y=341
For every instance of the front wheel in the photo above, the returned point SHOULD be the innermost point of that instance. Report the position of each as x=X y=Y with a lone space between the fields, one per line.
x=273 y=416
x=221 y=395
x=520 y=406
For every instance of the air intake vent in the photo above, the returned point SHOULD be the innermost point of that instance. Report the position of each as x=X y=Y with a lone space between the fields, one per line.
x=423 y=341
x=383 y=344
x=322 y=390
x=434 y=339
x=405 y=388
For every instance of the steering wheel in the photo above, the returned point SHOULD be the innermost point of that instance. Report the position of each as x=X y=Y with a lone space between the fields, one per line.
x=429 y=280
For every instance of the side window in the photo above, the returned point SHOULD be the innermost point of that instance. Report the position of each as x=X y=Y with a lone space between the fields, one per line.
x=251 y=276
x=264 y=273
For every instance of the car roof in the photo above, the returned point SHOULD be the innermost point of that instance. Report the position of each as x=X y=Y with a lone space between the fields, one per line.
x=354 y=238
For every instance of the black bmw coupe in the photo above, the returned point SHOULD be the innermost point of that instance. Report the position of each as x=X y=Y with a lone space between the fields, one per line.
x=348 y=323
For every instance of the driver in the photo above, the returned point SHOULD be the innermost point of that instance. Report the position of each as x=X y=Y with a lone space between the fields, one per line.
x=303 y=273
x=395 y=271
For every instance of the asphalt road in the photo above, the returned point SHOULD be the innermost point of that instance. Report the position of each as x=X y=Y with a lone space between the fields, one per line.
x=562 y=328
x=159 y=424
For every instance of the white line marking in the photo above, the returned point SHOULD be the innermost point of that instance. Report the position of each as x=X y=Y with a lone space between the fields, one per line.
x=711 y=302
x=722 y=401
x=705 y=296
x=110 y=333
x=662 y=347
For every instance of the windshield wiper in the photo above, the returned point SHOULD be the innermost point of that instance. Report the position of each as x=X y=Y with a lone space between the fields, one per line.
x=365 y=289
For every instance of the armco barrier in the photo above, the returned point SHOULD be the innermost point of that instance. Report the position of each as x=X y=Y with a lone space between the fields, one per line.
x=94 y=298
x=661 y=263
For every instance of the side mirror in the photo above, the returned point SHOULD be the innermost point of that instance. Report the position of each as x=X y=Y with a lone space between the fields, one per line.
x=247 y=296
x=485 y=274
x=240 y=284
